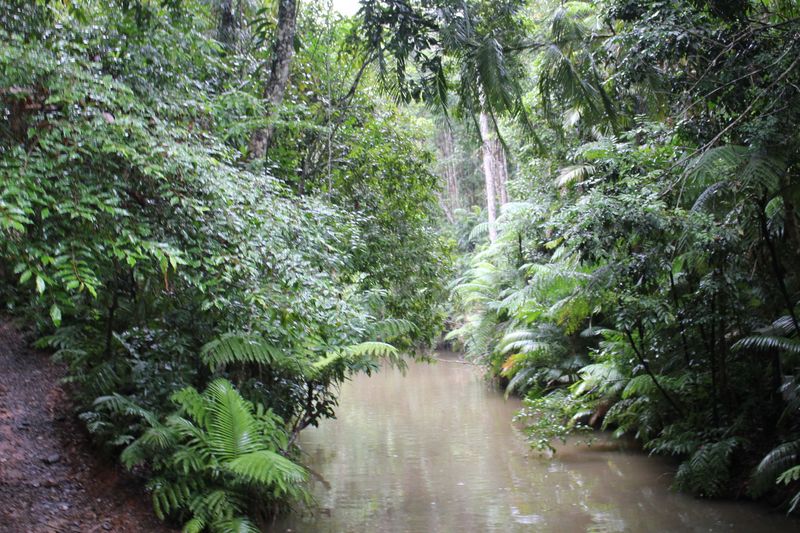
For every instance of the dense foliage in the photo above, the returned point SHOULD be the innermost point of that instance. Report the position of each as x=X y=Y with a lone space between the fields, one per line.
x=215 y=211
x=644 y=278
x=157 y=261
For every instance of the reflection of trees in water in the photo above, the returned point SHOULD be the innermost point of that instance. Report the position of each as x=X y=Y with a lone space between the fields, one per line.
x=436 y=451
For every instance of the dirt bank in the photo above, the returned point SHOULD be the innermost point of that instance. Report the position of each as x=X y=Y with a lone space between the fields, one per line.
x=50 y=478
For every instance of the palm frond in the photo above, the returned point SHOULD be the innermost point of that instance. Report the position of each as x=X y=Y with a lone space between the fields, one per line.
x=268 y=468
x=231 y=426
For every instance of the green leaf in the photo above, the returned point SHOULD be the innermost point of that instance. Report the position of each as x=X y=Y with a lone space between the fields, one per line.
x=55 y=314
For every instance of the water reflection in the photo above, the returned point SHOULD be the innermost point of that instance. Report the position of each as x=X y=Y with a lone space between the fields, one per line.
x=435 y=451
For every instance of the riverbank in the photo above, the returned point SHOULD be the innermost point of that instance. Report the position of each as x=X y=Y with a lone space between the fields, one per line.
x=50 y=477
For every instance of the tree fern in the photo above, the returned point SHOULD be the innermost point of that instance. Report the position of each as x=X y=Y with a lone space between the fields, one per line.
x=742 y=167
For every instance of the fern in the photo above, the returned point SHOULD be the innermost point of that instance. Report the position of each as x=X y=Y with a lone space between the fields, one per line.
x=736 y=168
x=768 y=342
x=710 y=192
x=707 y=472
x=789 y=476
x=479 y=231
x=240 y=348
x=675 y=439
x=778 y=461
x=389 y=329
x=569 y=175
x=372 y=349
x=522 y=380
x=235 y=525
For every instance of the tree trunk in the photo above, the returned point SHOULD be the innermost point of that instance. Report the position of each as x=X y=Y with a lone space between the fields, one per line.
x=229 y=24
x=790 y=230
x=448 y=167
x=489 y=169
x=282 y=52
x=502 y=171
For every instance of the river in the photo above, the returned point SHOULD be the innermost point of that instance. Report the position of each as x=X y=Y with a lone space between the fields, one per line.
x=435 y=450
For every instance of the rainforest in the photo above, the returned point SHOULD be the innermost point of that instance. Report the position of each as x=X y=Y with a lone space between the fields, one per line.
x=399 y=265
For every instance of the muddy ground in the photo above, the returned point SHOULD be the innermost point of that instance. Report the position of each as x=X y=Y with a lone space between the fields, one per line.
x=51 y=480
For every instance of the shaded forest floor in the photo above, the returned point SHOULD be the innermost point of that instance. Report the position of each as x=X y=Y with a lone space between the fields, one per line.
x=50 y=478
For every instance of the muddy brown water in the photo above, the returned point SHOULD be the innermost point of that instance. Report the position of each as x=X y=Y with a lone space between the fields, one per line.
x=435 y=450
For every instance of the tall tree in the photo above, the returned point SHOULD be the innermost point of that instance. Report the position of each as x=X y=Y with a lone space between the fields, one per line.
x=501 y=165
x=445 y=142
x=489 y=172
x=282 y=53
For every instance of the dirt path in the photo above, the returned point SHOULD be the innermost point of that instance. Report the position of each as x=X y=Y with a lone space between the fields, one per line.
x=50 y=479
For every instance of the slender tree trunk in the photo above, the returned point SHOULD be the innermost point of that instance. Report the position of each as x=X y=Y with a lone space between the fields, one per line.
x=229 y=23
x=451 y=202
x=776 y=265
x=790 y=229
x=502 y=172
x=282 y=53
x=452 y=171
x=489 y=169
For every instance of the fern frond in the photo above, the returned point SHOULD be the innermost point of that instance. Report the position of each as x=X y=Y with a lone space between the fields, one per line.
x=120 y=405
x=480 y=230
x=372 y=349
x=522 y=380
x=569 y=175
x=768 y=342
x=192 y=404
x=784 y=325
x=641 y=385
x=235 y=525
x=391 y=328
x=195 y=525
x=707 y=472
x=716 y=163
x=220 y=502
x=777 y=461
x=793 y=474
x=605 y=377
x=240 y=348
x=711 y=191
x=169 y=496
x=763 y=172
